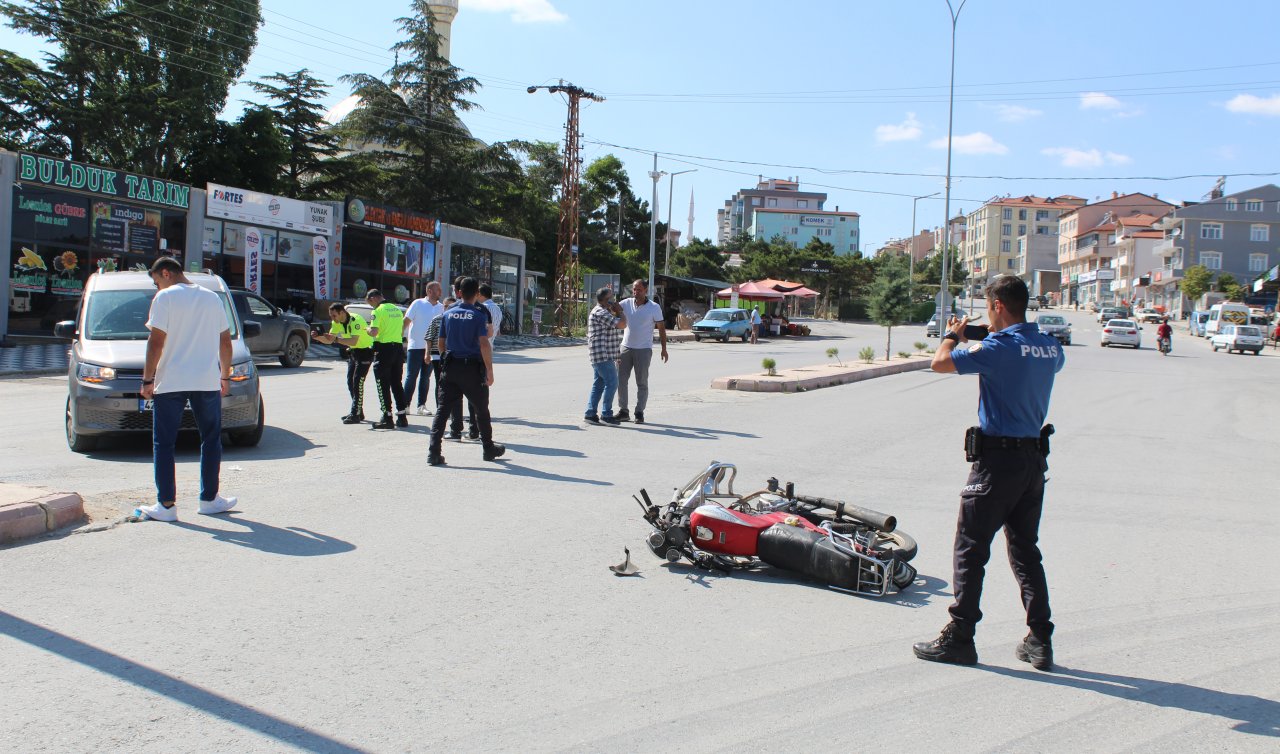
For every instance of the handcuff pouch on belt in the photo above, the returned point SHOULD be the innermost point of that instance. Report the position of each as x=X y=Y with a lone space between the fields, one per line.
x=975 y=442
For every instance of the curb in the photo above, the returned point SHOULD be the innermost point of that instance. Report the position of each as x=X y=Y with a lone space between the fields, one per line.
x=40 y=515
x=784 y=383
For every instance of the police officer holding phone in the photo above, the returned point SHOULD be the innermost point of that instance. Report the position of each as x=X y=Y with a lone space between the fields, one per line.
x=350 y=330
x=466 y=370
x=1015 y=364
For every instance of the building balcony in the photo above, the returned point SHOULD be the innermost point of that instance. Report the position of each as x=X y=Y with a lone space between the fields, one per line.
x=1166 y=275
x=1167 y=248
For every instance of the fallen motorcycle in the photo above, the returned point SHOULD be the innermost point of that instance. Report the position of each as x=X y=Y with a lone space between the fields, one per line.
x=844 y=546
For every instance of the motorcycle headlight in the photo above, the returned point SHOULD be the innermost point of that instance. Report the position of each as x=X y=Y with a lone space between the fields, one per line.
x=94 y=373
x=242 y=372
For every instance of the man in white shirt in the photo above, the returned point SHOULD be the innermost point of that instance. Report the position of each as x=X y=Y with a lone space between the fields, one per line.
x=416 y=321
x=495 y=311
x=642 y=316
x=188 y=362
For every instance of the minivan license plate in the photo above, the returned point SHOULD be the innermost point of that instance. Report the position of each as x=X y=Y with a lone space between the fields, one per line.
x=145 y=404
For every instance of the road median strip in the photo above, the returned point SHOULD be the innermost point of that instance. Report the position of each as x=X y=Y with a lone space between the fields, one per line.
x=31 y=511
x=802 y=379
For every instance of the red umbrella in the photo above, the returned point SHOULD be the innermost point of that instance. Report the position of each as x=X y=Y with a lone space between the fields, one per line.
x=752 y=291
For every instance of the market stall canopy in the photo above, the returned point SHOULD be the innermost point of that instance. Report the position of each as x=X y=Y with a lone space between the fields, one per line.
x=803 y=292
x=782 y=286
x=752 y=291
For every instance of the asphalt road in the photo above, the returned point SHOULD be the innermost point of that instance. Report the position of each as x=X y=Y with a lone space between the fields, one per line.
x=360 y=600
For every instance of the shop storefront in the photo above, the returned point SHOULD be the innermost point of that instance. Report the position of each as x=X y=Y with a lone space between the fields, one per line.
x=68 y=219
x=269 y=244
x=388 y=248
x=493 y=259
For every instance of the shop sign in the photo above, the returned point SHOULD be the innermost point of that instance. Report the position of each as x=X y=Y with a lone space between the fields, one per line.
x=66 y=280
x=264 y=209
x=293 y=248
x=52 y=171
x=815 y=267
x=120 y=228
x=1088 y=277
x=57 y=215
x=819 y=222
x=253 y=260
x=1274 y=274
x=1106 y=273
x=30 y=274
x=320 y=266
x=390 y=219
x=405 y=256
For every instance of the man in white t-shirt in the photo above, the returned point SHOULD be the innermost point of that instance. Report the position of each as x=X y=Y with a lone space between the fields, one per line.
x=188 y=362
x=495 y=311
x=642 y=316
x=416 y=321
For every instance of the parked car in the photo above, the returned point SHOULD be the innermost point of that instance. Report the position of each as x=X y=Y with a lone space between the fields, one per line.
x=1150 y=316
x=722 y=324
x=1043 y=300
x=1033 y=304
x=1122 y=332
x=931 y=330
x=1239 y=338
x=1055 y=325
x=108 y=350
x=283 y=334
x=1196 y=323
x=1108 y=313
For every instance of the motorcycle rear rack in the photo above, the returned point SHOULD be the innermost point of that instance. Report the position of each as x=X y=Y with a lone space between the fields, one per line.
x=874 y=574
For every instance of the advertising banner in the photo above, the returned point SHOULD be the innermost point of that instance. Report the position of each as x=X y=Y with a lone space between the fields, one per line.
x=52 y=171
x=320 y=266
x=402 y=256
x=294 y=248
x=253 y=260
x=264 y=209
x=820 y=222
x=391 y=219
x=30 y=273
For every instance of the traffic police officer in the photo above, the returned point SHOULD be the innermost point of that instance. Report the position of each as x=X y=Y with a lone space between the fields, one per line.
x=387 y=329
x=1015 y=365
x=466 y=370
x=350 y=330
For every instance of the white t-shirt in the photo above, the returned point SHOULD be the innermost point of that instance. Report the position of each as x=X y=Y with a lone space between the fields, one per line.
x=193 y=320
x=755 y=317
x=495 y=312
x=421 y=311
x=640 y=323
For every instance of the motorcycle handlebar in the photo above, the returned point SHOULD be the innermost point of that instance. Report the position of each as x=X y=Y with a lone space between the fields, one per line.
x=881 y=521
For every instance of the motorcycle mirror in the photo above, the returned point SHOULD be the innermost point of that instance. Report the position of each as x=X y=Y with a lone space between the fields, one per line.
x=772 y=484
x=626 y=567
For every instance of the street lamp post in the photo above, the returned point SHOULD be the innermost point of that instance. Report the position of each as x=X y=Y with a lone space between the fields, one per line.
x=951 y=110
x=655 y=174
x=911 y=250
x=671 y=187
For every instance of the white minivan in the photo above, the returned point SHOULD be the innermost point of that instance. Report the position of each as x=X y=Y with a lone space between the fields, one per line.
x=1221 y=315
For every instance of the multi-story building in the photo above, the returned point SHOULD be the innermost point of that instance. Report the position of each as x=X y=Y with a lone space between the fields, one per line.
x=1236 y=234
x=840 y=229
x=1087 y=244
x=1136 y=241
x=988 y=249
x=959 y=233
x=1033 y=256
x=773 y=193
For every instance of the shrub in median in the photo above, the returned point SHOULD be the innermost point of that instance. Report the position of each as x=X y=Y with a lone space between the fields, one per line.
x=867 y=354
x=770 y=367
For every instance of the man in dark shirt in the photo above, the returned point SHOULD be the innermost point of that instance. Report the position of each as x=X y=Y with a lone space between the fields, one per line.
x=466 y=370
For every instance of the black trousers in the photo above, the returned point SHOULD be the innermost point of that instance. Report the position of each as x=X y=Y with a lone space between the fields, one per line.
x=388 y=372
x=1005 y=489
x=461 y=378
x=359 y=360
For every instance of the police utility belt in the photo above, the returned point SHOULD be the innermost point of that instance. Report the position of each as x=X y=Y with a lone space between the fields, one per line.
x=976 y=443
x=451 y=358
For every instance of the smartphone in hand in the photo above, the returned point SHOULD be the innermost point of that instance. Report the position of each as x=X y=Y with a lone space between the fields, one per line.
x=976 y=332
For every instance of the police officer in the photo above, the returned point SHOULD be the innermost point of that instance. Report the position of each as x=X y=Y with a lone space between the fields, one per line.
x=387 y=329
x=350 y=329
x=466 y=370
x=1015 y=365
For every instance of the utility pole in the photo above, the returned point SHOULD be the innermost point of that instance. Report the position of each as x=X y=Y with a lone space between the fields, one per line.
x=655 y=174
x=944 y=294
x=570 y=210
x=671 y=188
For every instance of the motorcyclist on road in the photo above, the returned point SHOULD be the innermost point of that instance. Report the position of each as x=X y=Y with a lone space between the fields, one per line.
x=1165 y=333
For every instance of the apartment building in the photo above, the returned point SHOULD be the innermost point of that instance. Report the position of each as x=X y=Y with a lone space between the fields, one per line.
x=735 y=218
x=1237 y=234
x=1087 y=247
x=989 y=248
x=798 y=227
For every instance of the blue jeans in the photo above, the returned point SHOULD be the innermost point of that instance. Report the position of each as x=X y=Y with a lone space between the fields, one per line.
x=166 y=418
x=417 y=374
x=606 y=384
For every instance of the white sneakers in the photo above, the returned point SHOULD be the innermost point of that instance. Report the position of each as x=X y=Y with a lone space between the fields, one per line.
x=157 y=511
x=424 y=411
x=219 y=504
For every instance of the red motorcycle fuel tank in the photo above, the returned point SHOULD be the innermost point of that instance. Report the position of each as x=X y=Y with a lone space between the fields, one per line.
x=715 y=528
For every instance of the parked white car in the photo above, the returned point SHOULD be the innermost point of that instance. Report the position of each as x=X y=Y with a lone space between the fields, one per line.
x=1239 y=338
x=1121 y=332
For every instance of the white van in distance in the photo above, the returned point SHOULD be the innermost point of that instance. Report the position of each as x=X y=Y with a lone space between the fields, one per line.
x=1221 y=315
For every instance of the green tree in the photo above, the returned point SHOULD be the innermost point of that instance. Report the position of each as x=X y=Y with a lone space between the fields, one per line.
x=698 y=259
x=890 y=298
x=249 y=153
x=130 y=83
x=1228 y=284
x=928 y=275
x=1195 y=282
x=295 y=97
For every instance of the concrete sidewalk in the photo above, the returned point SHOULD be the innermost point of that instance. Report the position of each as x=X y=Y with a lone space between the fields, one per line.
x=31 y=511
x=801 y=379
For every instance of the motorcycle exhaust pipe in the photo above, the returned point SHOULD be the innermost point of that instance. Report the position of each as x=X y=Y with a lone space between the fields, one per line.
x=882 y=521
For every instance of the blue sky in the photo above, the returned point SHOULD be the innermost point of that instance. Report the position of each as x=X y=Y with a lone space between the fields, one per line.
x=816 y=89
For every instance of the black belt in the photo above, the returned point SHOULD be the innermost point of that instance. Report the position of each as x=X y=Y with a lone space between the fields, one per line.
x=463 y=359
x=1009 y=443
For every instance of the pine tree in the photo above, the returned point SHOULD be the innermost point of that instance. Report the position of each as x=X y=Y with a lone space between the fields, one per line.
x=890 y=298
x=300 y=118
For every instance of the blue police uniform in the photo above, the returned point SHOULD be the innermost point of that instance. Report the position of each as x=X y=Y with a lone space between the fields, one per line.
x=1015 y=368
x=463 y=372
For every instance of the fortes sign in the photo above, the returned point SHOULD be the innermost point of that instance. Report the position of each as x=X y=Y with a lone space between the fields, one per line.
x=264 y=209
x=51 y=171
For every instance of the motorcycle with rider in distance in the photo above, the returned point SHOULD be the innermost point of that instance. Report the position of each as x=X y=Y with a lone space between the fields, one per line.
x=845 y=546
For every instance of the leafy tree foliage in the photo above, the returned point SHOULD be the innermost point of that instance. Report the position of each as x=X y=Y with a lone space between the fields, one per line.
x=248 y=153
x=1196 y=281
x=890 y=297
x=295 y=97
x=928 y=275
x=698 y=259
x=1228 y=284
